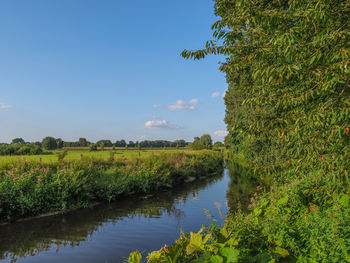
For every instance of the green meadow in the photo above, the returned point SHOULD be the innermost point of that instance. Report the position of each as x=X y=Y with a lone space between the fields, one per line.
x=81 y=152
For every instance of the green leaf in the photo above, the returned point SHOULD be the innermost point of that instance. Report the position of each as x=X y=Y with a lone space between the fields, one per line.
x=216 y=259
x=282 y=201
x=197 y=242
x=135 y=257
x=230 y=254
x=282 y=252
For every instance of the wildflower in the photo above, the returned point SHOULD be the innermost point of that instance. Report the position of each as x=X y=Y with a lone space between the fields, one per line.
x=347 y=130
x=258 y=188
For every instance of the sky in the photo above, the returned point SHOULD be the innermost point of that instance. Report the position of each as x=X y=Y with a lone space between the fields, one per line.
x=108 y=69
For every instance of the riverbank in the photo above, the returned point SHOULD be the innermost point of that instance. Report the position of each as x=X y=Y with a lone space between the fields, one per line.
x=32 y=188
x=108 y=232
x=304 y=218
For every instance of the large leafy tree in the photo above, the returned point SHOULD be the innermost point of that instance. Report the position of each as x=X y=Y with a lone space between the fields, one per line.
x=206 y=141
x=287 y=66
x=288 y=115
x=18 y=140
x=49 y=143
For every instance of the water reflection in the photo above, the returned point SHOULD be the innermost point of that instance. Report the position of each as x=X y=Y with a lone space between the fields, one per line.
x=28 y=238
x=242 y=187
x=108 y=232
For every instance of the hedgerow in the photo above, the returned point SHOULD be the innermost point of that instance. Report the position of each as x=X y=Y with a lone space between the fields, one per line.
x=288 y=116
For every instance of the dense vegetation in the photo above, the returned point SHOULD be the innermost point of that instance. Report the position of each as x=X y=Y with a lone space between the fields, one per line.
x=288 y=117
x=19 y=147
x=32 y=188
x=73 y=228
x=204 y=142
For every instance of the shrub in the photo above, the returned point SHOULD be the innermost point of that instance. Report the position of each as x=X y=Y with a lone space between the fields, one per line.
x=31 y=188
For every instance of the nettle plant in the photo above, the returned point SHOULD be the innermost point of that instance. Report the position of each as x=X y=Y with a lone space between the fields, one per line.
x=287 y=65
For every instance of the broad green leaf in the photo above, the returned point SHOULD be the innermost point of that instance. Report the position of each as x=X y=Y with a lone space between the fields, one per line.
x=230 y=254
x=216 y=259
x=282 y=252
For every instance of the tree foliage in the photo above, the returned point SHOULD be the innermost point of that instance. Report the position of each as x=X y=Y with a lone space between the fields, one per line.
x=49 y=143
x=18 y=140
x=287 y=66
x=288 y=117
x=206 y=141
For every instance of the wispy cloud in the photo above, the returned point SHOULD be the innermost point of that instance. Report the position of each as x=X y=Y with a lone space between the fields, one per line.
x=4 y=105
x=160 y=124
x=215 y=94
x=179 y=105
x=183 y=105
x=220 y=133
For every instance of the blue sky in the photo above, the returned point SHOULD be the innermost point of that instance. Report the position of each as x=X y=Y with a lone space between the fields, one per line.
x=108 y=69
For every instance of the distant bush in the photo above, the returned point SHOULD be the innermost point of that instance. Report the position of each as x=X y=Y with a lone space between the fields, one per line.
x=93 y=147
x=20 y=149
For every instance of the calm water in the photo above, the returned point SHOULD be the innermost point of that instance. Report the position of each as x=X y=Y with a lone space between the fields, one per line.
x=108 y=233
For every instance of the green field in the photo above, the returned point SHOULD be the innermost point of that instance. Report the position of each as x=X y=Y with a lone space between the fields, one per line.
x=76 y=154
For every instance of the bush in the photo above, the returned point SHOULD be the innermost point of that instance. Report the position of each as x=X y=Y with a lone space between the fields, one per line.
x=93 y=147
x=32 y=188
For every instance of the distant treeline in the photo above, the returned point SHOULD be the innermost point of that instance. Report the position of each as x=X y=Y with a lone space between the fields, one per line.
x=19 y=147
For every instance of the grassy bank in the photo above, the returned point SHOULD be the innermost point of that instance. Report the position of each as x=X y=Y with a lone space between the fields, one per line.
x=29 y=188
x=304 y=218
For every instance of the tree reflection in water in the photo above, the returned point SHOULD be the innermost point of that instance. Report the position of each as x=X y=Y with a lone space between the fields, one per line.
x=242 y=187
x=28 y=238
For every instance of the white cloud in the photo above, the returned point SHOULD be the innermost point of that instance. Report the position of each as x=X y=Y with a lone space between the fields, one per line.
x=194 y=101
x=160 y=124
x=215 y=94
x=220 y=133
x=223 y=94
x=183 y=105
x=4 y=105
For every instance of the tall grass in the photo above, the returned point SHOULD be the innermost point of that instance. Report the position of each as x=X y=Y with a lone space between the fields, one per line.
x=29 y=188
x=305 y=218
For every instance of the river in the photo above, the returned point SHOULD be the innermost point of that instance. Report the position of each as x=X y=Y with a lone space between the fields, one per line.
x=109 y=232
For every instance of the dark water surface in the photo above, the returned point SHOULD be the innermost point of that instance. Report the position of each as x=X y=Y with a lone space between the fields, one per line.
x=109 y=232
